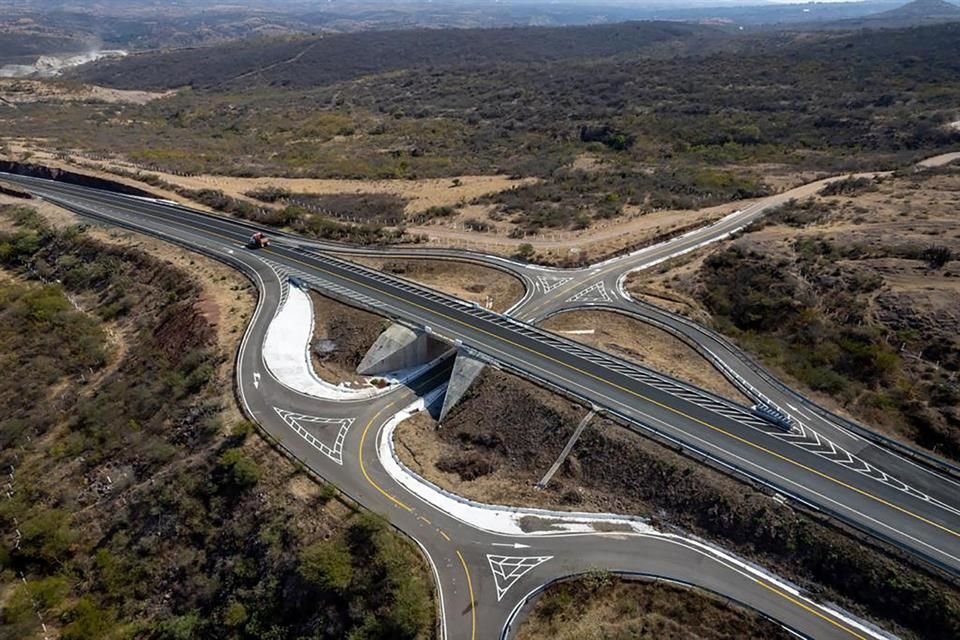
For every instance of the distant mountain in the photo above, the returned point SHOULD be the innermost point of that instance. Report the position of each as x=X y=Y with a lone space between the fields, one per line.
x=916 y=13
x=920 y=9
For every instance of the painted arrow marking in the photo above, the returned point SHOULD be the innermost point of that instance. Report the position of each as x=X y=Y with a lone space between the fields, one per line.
x=514 y=545
x=256 y=380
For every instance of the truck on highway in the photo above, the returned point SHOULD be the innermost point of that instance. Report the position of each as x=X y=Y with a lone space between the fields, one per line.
x=774 y=415
x=259 y=240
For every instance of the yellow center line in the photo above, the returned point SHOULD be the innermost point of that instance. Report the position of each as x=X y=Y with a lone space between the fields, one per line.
x=363 y=469
x=809 y=609
x=443 y=534
x=473 y=606
x=636 y=394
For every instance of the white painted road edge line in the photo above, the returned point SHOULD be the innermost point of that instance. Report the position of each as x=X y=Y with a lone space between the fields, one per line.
x=439 y=588
x=505 y=520
x=495 y=519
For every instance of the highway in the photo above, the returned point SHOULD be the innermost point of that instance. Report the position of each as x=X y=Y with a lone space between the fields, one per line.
x=921 y=518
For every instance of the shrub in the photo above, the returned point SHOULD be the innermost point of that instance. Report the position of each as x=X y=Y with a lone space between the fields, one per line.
x=45 y=538
x=473 y=224
x=937 y=256
x=269 y=194
x=849 y=186
x=525 y=251
x=89 y=622
x=327 y=564
x=238 y=473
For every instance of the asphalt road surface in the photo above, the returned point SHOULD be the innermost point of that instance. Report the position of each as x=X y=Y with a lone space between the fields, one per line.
x=483 y=577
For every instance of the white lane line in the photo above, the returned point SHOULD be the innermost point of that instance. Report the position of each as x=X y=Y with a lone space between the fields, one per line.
x=550 y=283
x=800 y=413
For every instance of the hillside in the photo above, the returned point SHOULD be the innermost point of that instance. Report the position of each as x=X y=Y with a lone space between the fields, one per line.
x=851 y=97
x=25 y=46
x=921 y=10
x=613 y=140
x=913 y=14
x=320 y=60
x=138 y=503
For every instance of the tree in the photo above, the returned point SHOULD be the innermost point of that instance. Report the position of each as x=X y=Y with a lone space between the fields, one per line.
x=89 y=622
x=328 y=565
x=235 y=614
x=525 y=251
x=45 y=537
x=238 y=472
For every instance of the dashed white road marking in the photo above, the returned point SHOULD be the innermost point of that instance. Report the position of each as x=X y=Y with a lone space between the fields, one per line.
x=800 y=413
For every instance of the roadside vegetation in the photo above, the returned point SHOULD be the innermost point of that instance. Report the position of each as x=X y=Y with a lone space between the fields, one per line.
x=136 y=509
x=311 y=215
x=574 y=199
x=855 y=298
x=698 y=129
x=599 y=605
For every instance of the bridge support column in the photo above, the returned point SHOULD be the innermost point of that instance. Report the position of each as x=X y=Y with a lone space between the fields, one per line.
x=400 y=347
x=466 y=369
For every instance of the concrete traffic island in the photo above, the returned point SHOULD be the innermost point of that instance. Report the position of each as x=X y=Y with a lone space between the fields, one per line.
x=286 y=354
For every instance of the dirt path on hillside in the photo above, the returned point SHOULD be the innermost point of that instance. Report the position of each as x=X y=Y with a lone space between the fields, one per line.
x=606 y=238
x=602 y=239
x=14 y=91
